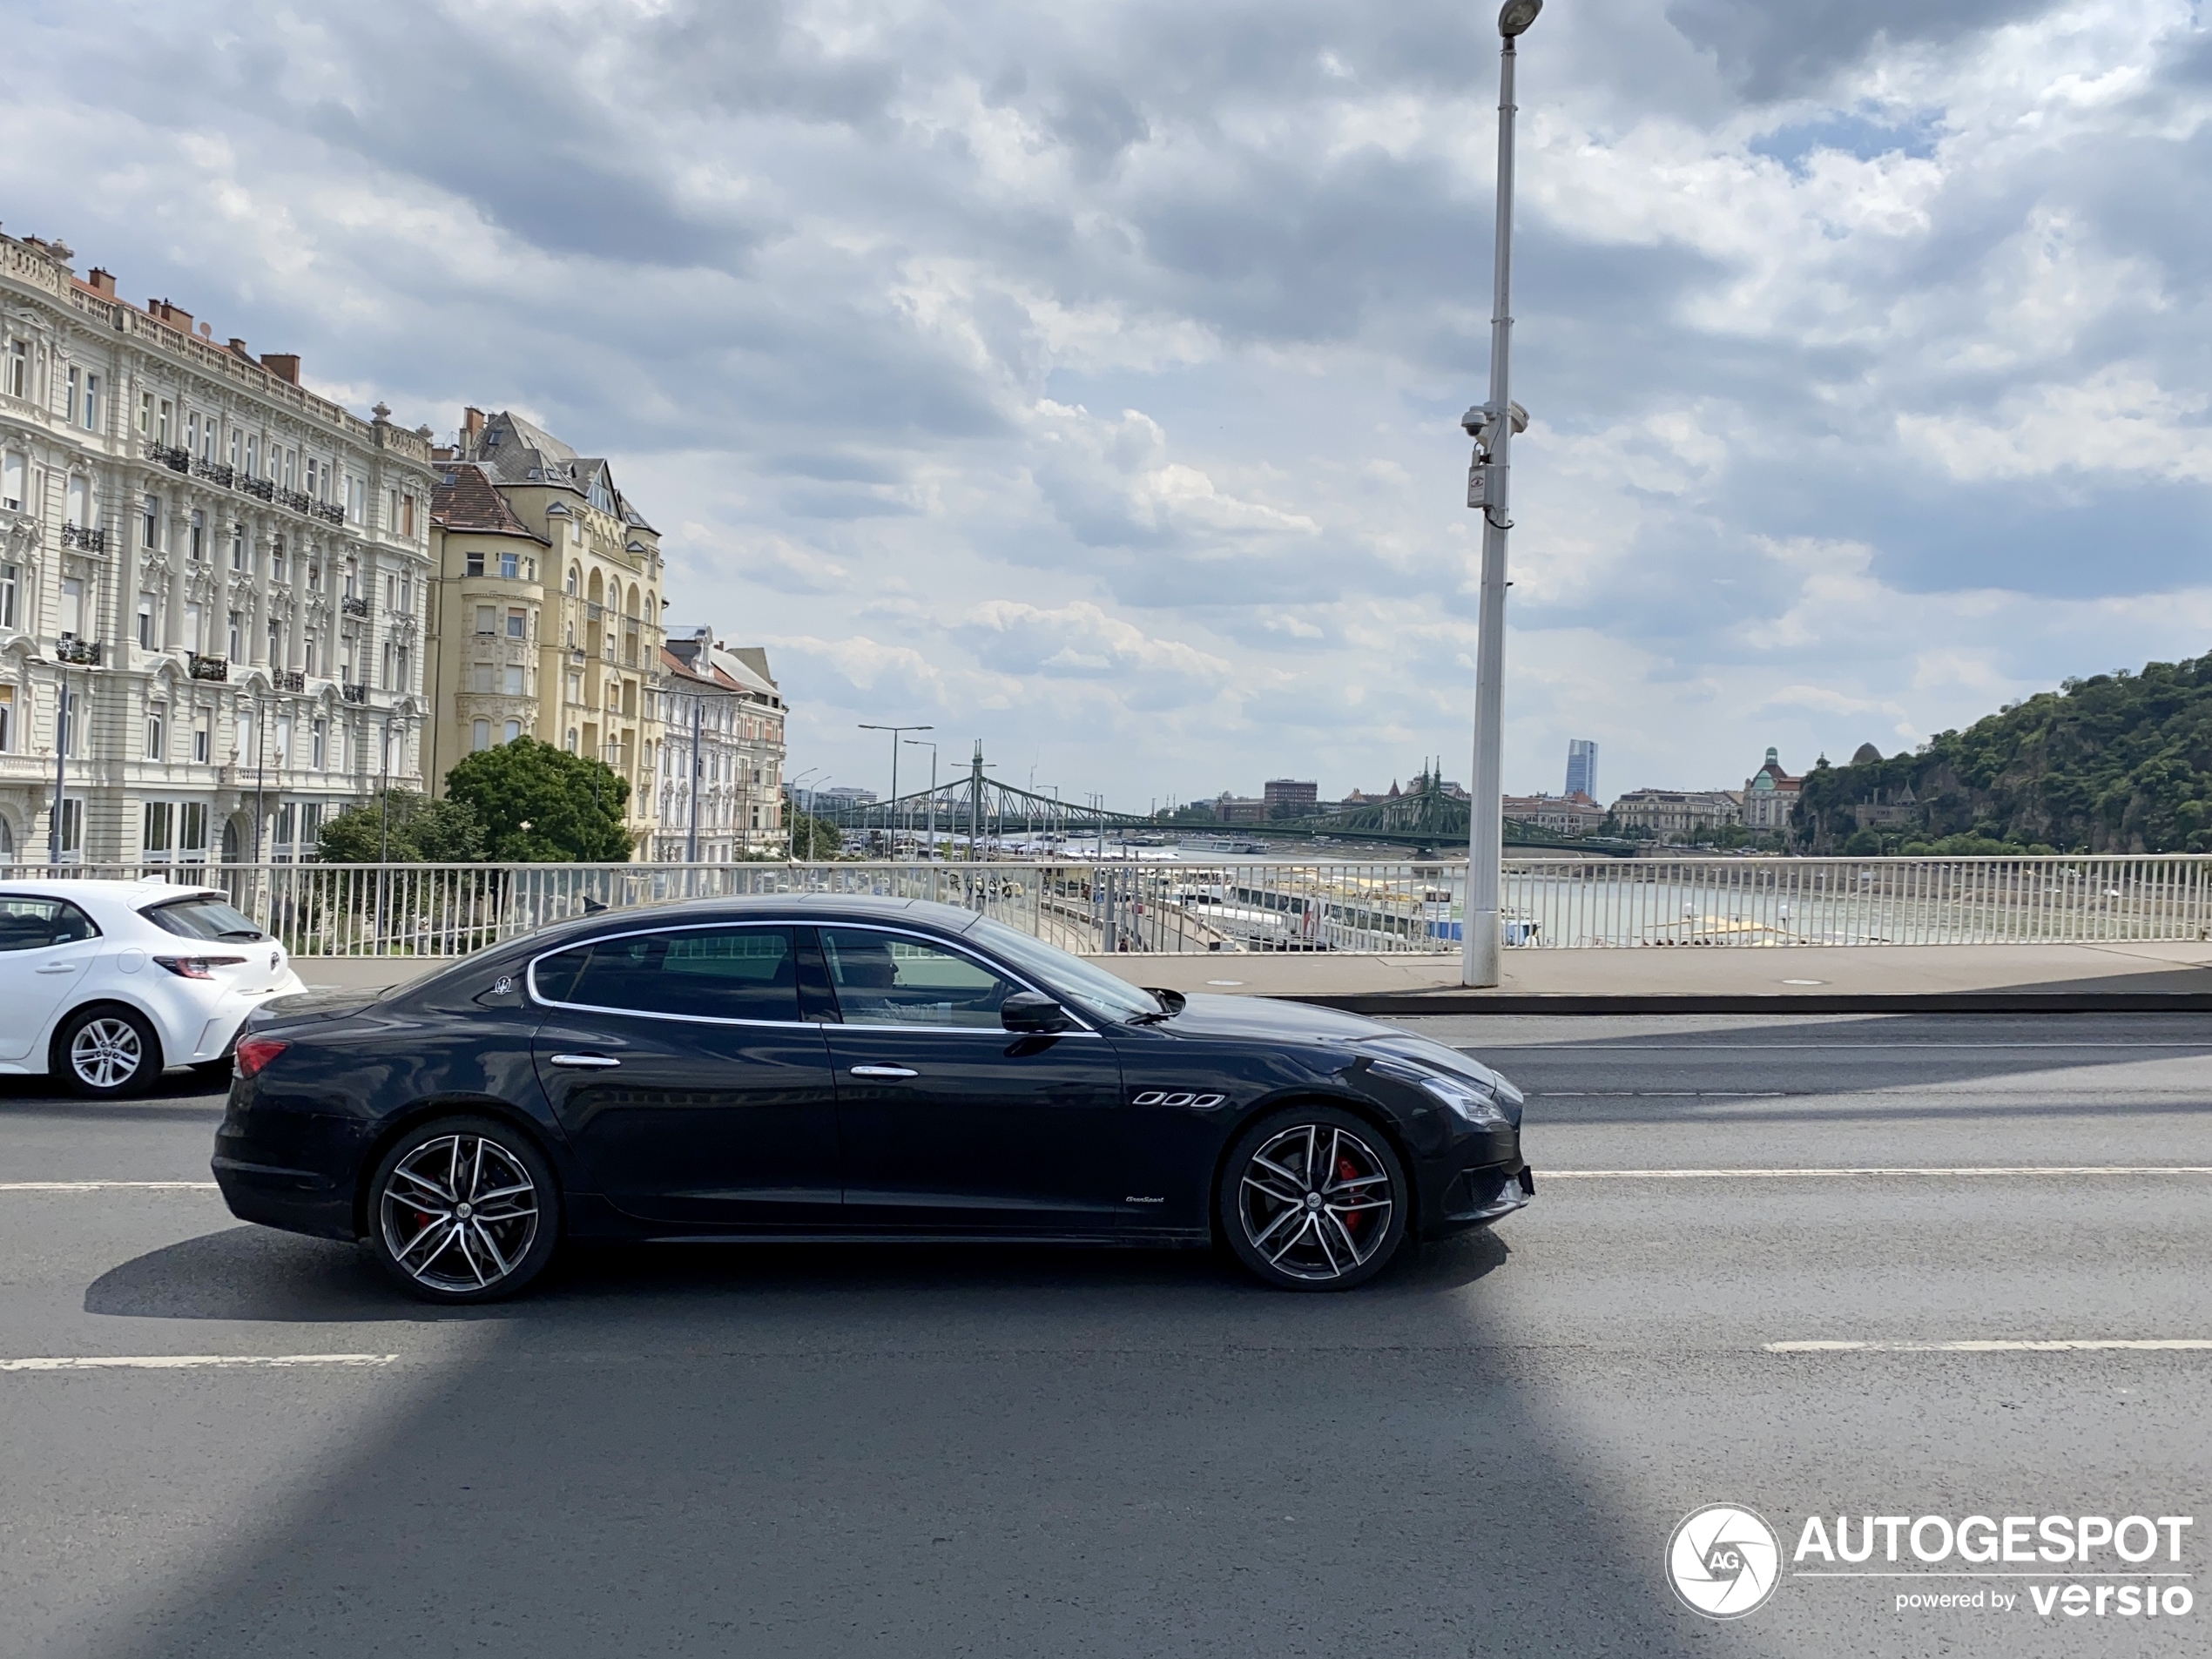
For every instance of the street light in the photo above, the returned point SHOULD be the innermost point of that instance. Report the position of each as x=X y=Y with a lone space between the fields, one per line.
x=896 y=731
x=918 y=743
x=1492 y=427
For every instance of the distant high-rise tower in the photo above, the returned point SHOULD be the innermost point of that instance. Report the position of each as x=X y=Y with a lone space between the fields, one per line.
x=1582 y=767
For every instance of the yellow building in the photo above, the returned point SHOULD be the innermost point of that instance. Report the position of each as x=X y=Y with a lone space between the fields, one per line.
x=545 y=611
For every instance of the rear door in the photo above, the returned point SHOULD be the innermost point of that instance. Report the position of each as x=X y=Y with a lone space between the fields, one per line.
x=679 y=1065
x=952 y=1123
x=47 y=949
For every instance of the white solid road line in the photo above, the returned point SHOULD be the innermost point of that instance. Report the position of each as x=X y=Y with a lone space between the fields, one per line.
x=1785 y=1175
x=2064 y=1345
x=106 y=1186
x=192 y=1361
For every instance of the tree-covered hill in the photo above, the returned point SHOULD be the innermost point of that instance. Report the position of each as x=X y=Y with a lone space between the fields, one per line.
x=2120 y=762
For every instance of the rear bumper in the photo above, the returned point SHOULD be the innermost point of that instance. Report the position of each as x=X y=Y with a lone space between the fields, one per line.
x=286 y=1181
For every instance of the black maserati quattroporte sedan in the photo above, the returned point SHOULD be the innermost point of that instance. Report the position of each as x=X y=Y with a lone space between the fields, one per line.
x=845 y=1069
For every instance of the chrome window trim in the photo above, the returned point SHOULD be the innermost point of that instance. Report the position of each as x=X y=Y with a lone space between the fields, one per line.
x=529 y=980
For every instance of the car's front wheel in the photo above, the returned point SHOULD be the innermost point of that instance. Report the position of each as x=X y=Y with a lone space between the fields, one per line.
x=107 y=1052
x=463 y=1210
x=1313 y=1198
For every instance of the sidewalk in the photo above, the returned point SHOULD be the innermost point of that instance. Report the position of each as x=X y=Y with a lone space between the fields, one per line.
x=1796 y=979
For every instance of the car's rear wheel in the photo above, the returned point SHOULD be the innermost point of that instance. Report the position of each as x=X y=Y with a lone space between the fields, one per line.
x=1313 y=1198
x=463 y=1210
x=106 y=1053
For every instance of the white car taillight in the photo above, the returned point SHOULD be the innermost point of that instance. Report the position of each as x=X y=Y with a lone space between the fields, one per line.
x=196 y=967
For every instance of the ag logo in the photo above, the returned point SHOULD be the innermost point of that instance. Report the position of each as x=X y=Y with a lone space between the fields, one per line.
x=1723 y=1562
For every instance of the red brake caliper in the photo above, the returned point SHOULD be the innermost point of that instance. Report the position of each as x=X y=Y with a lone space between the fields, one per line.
x=1347 y=1170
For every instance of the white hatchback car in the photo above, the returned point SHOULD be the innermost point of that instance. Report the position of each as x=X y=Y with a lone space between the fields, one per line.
x=104 y=983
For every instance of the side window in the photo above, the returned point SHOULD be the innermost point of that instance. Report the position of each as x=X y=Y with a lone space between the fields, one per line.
x=702 y=973
x=34 y=924
x=888 y=979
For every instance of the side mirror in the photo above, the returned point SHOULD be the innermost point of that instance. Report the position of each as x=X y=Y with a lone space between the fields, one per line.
x=1029 y=1011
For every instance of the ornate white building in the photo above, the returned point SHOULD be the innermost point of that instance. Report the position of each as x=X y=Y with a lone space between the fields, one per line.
x=228 y=573
x=724 y=702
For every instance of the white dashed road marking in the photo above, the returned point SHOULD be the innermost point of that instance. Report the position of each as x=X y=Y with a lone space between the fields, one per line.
x=107 y=1186
x=2061 y=1345
x=1788 y=1175
x=192 y=1361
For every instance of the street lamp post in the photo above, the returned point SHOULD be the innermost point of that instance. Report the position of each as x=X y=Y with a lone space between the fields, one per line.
x=918 y=742
x=1491 y=428
x=897 y=731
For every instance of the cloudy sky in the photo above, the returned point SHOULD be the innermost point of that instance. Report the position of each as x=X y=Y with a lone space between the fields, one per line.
x=1085 y=379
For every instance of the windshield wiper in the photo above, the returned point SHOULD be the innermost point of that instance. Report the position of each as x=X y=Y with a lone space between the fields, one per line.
x=242 y=933
x=1171 y=1003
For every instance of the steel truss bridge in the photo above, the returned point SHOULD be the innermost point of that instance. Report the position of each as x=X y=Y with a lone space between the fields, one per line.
x=979 y=810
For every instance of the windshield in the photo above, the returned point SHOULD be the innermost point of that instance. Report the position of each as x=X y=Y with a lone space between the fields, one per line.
x=203 y=917
x=1115 y=998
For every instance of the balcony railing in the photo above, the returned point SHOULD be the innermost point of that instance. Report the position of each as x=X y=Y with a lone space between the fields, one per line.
x=260 y=487
x=289 y=679
x=354 y=693
x=92 y=540
x=207 y=668
x=176 y=460
x=82 y=653
x=354 y=605
x=328 y=514
x=296 y=500
x=216 y=472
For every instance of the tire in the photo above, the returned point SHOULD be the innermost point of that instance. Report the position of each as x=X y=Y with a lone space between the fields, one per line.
x=427 y=1219
x=107 y=1052
x=1313 y=1198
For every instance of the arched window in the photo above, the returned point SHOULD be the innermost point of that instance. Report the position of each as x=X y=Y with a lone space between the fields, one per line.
x=7 y=843
x=631 y=611
x=576 y=580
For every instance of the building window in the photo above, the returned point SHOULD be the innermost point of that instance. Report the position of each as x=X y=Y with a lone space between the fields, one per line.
x=191 y=422
x=407 y=516
x=511 y=680
x=158 y=836
x=321 y=746
x=283 y=757
x=307 y=654
x=510 y=566
x=203 y=737
x=11 y=578
x=145 y=622
x=13 y=468
x=517 y=624
x=238 y=547
x=7 y=718
x=252 y=457
x=71 y=840
x=572 y=739
x=487 y=619
x=72 y=607
x=14 y=374
x=90 y=418
x=475 y=565
x=191 y=831
x=511 y=731
x=199 y=537
x=150 y=522
x=157 y=732
x=70 y=701
x=238 y=638
x=78 y=501
x=480 y=735
x=407 y=593
x=162 y=433
x=480 y=677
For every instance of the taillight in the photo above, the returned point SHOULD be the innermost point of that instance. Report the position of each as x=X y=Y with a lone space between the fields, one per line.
x=196 y=966
x=256 y=1052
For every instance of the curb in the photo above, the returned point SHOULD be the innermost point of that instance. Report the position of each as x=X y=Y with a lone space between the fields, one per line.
x=1405 y=1003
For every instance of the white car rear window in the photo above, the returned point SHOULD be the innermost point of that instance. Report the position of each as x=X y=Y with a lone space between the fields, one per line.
x=202 y=916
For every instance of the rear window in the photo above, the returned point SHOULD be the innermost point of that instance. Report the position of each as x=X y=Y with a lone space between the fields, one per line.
x=202 y=917
x=697 y=973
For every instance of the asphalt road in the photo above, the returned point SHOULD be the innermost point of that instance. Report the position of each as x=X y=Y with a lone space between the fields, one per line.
x=970 y=1452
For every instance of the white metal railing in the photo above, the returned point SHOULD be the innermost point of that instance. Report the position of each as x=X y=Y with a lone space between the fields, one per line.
x=1215 y=904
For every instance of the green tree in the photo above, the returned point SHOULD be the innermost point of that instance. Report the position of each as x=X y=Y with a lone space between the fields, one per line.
x=400 y=827
x=811 y=839
x=540 y=805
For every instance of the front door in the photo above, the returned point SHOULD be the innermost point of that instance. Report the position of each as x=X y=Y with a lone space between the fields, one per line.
x=47 y=948
x=692 y=1091
x=951 y=1123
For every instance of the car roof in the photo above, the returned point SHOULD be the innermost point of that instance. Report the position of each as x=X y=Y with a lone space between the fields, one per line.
x=821 y=907
x=98 y=889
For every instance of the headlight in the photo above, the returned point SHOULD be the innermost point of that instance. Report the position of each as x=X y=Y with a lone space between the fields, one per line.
x=1473 y=1103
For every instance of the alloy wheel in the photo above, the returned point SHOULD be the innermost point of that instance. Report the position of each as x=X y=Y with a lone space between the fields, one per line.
x=459 y=1213
x=1315 y=1201
x=106 y=1053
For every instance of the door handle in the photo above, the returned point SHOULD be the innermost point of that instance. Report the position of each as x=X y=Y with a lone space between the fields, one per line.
x=59 y=968
x=884 y=1071
x=584 y=1062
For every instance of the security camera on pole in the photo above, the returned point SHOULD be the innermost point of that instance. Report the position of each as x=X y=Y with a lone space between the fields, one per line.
x=1492 y=427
